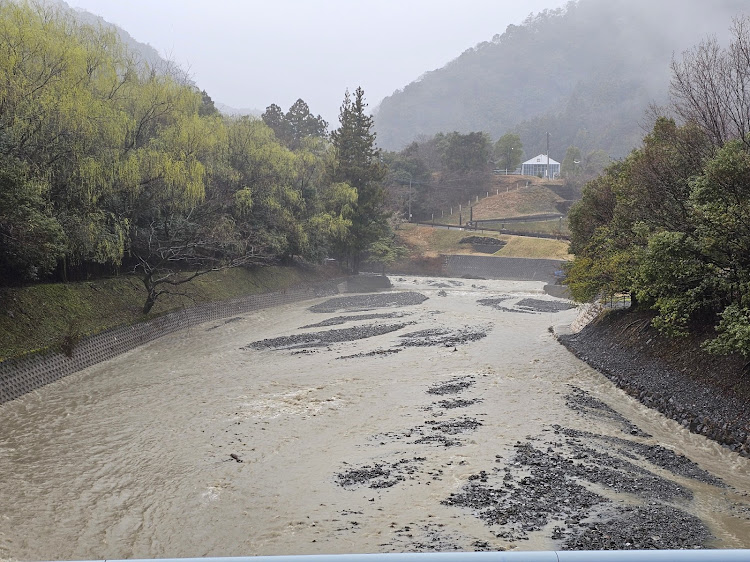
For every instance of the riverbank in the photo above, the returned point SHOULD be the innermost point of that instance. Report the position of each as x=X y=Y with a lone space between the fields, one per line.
x=54 y=317
x=708 y=394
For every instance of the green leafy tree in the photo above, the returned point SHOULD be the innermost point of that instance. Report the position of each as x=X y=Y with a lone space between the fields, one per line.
x=677 y=282
x=720 y=198
x=467 y=152
x=108 y=164
x=179 y=231
x=266 y=205
x=111 y=138
x=386 y=250
x=671 y=224
x=207 y=105
x=329 y=226
x=300 y=124
x=603 y=239
x=294 y=126
x=62 y=95
x=274 y=117
x=31 y=239
x=673 y=231
x=662 y=171
x=508 y=152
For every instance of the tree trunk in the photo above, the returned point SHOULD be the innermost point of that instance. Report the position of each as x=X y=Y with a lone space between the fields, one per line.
x=150 y=300
x=150 y=294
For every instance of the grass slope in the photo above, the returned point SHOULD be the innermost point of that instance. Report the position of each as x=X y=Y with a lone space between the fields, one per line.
x=525 y=247
x=54 y=316
x=515 y=196
x=429 y=242
x=518 y=200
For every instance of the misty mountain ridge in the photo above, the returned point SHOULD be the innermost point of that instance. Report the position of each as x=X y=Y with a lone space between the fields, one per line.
x=229 y=111
x=149 y=55
x=585 y=73
x=144 y=53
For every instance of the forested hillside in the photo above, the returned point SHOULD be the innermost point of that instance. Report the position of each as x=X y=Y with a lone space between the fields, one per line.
x=109 y=163
x=585 y=73
x=670 y=224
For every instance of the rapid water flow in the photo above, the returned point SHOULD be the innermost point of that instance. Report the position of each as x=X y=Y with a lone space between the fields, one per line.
x=133 y=457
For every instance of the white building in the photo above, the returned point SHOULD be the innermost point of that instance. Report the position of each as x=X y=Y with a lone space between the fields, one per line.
x=537 y=166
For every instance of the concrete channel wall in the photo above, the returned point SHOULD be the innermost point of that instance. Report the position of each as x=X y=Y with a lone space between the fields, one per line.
x=495 y=267
x=20 y=376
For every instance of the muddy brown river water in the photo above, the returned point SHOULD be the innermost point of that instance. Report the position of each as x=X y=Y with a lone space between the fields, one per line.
x=368 y=424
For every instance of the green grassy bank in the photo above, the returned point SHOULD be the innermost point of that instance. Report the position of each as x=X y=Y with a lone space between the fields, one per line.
x=56 y=316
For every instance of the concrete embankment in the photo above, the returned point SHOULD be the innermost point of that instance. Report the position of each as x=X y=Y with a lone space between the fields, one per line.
x=484 y=267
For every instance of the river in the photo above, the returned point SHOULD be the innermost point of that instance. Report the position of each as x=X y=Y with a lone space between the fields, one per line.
x=476 y=431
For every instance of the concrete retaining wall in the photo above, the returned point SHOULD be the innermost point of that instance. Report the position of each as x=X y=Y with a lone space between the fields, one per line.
x=519 y=269
x=20 y=376
x=586 y=314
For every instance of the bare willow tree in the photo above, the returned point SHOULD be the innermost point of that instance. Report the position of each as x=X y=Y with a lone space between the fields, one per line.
x=710 y=86
x=172 y=251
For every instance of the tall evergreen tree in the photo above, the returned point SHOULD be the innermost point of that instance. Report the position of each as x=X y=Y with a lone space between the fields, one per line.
x=357 y=164
x=301 y=123
x=508 y=152
x=297 y=124
x=273 y=116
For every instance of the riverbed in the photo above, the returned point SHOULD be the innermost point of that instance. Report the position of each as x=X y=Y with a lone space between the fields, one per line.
x=441 y=415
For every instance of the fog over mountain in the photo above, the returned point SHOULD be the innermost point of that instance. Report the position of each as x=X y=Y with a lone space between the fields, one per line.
x=144 y=52
x=254 y=53
x=148 y=54
x=585 y=73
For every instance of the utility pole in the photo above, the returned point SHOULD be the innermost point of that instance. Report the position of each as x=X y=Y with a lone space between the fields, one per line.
x=410 y=198
x=507 y=164
x=548 y=176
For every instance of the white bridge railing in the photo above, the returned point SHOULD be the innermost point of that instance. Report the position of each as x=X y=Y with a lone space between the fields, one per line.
x=528 y=556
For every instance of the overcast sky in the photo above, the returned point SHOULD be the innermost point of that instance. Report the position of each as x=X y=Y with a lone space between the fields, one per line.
x=252 y=53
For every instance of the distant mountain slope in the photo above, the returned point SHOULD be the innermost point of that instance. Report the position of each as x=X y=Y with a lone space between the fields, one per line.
x=144 y=52
x=149 y=55
x=586 y=73
x=237 y=111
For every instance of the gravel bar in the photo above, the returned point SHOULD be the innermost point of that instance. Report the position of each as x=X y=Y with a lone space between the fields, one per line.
x=357 y=303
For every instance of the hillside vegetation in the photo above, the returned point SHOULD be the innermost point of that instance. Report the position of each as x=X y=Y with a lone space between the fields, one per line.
x=525 y=196
x=110 y=163
x=431 y=242
x=670 y=224
x=514 y=197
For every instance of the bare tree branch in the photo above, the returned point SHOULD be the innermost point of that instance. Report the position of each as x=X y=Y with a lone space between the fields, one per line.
x=710 y=86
